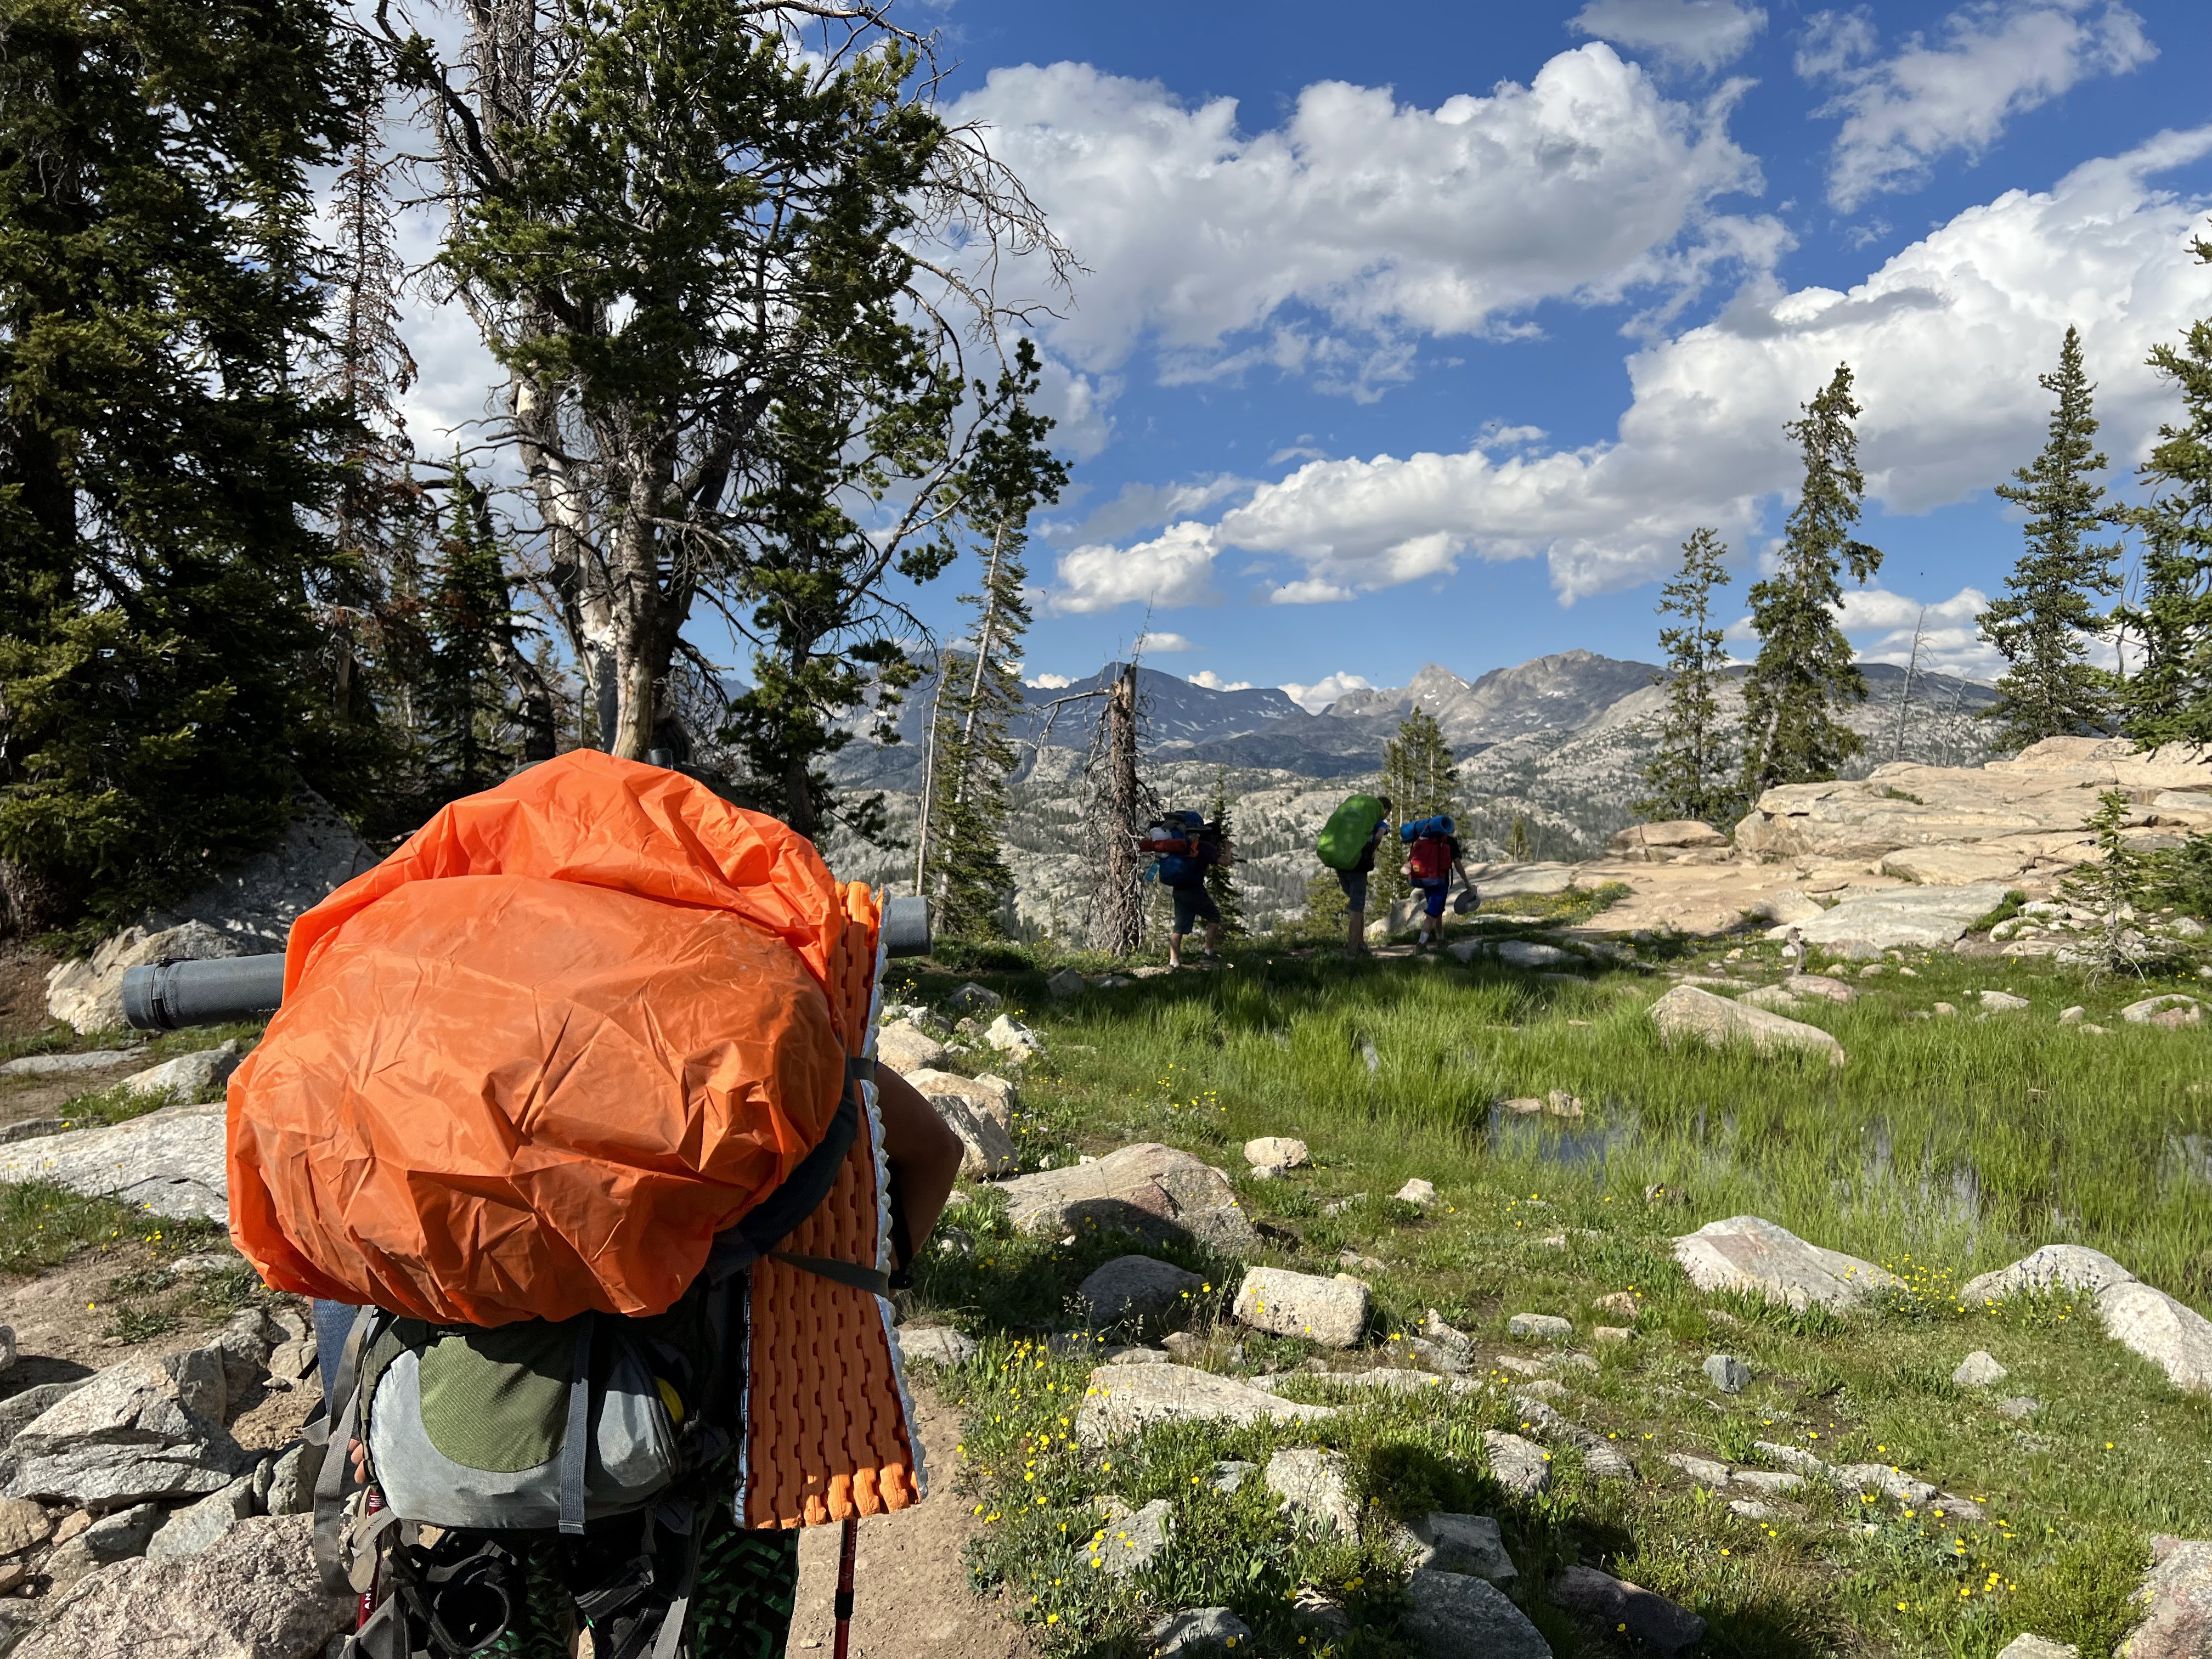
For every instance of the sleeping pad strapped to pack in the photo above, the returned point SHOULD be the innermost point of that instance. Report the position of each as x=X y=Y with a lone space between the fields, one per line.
x=532 y=1075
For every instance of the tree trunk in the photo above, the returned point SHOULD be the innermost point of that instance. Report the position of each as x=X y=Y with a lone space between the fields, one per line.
x=1118 y=917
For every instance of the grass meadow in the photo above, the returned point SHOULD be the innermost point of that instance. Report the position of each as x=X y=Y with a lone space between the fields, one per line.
x=1946 y=1145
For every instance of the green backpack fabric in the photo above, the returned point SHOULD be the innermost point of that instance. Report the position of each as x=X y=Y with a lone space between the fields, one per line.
x=1344 y=838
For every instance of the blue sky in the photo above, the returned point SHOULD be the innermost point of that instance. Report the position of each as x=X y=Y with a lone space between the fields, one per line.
x=1317 y=237
x=1428 y=336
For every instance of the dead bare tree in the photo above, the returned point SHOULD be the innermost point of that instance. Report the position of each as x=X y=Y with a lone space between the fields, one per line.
x=1905 y=695
x=1115 y=820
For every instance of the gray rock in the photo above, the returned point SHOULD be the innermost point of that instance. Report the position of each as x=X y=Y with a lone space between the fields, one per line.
x=1767 y=1480
x=1465 y=1544
x=88 y=992
x=986 y=1148
x=938 y=1345
x=1138 y=1287
x=1522 y=1467
x=1199 y=1631
x=1132 y=1542
x=1068 y=982
x=973 y=999
x=95 y=1060
x=32 y=1128
x=1122 y=1400
x=196 y=1527
x=1702 y=1470
x=1229 y=1474
x=1687 y=1012
x=1819 y=985
x=111 y=1538
x=1601 y=1457
x=2172 y=1336
x=1653 y=1620
x=1155 y=1192
x=1529 y=953
x=123 y=1438
x=190 y=1078
x=1978 y=1370
x=1540 y=1328
x=905 y=1046
x=2018 y=1408
x=1013 y=1039
x=1453 y=1615
x=1751 y=1509
x=7 y=1347
x=1745 y=1253
x=169 y=1162
x=22 y=1525
x=18 y=1409
x=1330 y=1311
x=1894 y=918
x=1454 y=1344
x=1521 y=880
x=258 y=1597
x=1310 y=1608
x=202 y=1386
x=1728 y=1373
x=2038 y=1647
x=1282 y=1150
x=2176 y=1595
x=1315 y=1487
x=2055 y=1267
x=2146 y=1013
x=2001 y=1002
x=246 y=1343
x=1416 y=1192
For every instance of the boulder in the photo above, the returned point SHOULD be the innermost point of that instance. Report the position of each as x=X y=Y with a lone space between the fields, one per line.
x=2054 y=1266
x=1453 y=1615
x=1686 y=1011
x=973 y=999
x=1979 y=1369
x=1124 y=1399
x=1453 y=1345
x=190 y=1078
x=1498 y=881
x=18 y=1409
x=1138 y=1287
x=1896 y=918
x=7 y=1347
x=937 y=1345
x=1540 y=1328
x=1330 y=1311
x=1726 y=1373
x=1130 y=1543
x=195 y=1528
x=169 y=1162
x=1819 y=985
x=1534 y=955
x=2038 y=1647
x=258 y=1597
x=986 y=1149
x=1651 y=1620
x=1670 y=836
x=1522 y=1467
x=1012 y=1039
x=1465 y=1544
x=123 y=1438
x=1068 y=982
x=1315 y=1487
x=2001 y=1002
x=1281 y=1151
x=23 y=1525
x=2172 y=1336
x=88 y=992
x=1198 y=1631
x=96 y=1060
x=291 y=1488
x=2177 y=1599
x=1416 y=1192
x=111 y=1538
x=1702 y=1470
x=1155 y=1192
x=906 y=1047
x=2147 y=1012
x=1745 y=1253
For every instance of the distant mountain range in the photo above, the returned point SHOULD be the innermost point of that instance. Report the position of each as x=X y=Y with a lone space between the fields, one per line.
x=1555 y=746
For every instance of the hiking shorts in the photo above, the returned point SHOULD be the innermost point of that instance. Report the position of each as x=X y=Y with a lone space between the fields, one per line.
x=1354 y=883
x=1191 y=904
x=1434 y=893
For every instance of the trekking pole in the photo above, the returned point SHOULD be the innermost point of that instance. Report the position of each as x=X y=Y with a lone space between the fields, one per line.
x=846 y=1547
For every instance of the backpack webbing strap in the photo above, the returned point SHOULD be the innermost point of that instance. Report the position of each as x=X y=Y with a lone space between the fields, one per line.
x=576 y=1443
x=671 y=1635
x=337 y=1433
x=871 y=1279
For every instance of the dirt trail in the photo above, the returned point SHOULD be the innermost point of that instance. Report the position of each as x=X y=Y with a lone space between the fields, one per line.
x=910 y=1591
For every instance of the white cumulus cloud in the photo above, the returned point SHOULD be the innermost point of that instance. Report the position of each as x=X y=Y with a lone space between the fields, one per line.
x=1174 y=568
x=1987 y=62
x=1322 y=692
x=1048 y=682
x=1163 y=642
x=1700 y=34
x=1946 y=340
x=1213 y=682
x=1587 y=184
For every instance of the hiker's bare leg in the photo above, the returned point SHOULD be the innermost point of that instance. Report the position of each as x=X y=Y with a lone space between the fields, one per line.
x=1355 y=942
x=1175 y=949
x=1212 y=937
x=924 y=1155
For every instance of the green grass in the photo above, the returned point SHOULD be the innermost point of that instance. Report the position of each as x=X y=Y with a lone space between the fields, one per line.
x=1943 y=1147
x=43 y=1226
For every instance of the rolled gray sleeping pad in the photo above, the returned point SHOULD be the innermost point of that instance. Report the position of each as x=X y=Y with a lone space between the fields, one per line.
x=166 y=996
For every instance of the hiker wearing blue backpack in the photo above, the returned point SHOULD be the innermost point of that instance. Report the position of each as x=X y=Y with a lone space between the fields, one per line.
x=1432 y=853
x=1184 y=846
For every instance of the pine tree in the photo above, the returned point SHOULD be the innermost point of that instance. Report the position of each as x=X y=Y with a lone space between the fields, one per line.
x=1419 y=778
x=160 y=456
x=2168 y=697
x=1804 y=670
x=2051 y=689
x=471 y=626
x=1692 y=774
x=2111 y=886
x=1221 y=878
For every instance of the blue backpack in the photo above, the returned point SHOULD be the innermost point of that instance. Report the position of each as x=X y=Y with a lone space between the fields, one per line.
x=1175 y=837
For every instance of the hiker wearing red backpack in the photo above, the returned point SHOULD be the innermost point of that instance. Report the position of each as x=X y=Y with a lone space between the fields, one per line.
x=1185 y=846
x=1432 y=853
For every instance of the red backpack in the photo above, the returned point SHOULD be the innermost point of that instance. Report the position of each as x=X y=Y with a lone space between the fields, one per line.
x=1430 y=859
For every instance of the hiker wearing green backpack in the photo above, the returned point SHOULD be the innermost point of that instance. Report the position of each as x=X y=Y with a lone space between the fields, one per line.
x=1347 y=845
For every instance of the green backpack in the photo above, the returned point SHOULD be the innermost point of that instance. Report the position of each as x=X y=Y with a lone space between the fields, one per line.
x=1344 y=838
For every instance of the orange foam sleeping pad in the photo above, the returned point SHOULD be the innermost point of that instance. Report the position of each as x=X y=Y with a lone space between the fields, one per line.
x=535 y=1061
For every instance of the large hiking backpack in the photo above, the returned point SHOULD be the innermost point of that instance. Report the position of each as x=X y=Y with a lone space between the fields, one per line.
x=1430 y=849
x=573 y=1096
x=1174 y=840
x=1345 y=838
